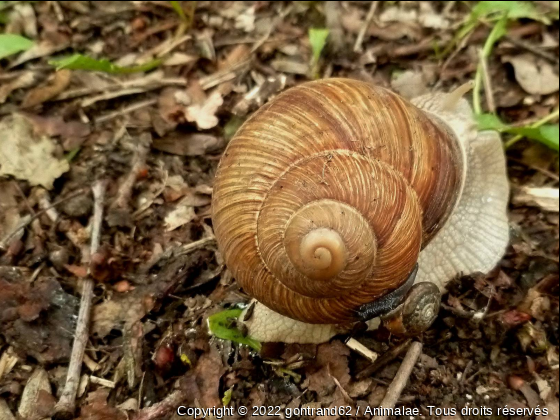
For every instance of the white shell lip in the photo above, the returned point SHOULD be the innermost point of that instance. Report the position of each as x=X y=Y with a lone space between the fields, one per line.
x=476 y=235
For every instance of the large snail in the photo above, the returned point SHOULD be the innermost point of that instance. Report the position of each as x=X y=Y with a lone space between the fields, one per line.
x=336 y=196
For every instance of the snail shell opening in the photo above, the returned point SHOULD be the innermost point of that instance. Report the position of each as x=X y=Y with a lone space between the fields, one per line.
x=326 y=195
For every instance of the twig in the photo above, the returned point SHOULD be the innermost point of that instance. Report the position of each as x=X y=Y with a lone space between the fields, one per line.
x=361 y=349
x=125 y=110
x=26 y=220
x=139 y=160
x=67 y=403
x=487 y=82
x=365 y=26
x=401 y=378
x=386 y=358
x=532 y=49
x=163 y=408
x=544 y=171
x=47 y=207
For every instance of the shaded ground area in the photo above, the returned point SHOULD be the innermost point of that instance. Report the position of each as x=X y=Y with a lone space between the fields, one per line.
x=152 y=126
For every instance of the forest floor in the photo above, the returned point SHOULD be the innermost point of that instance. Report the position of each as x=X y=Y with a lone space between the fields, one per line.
x=143 y=113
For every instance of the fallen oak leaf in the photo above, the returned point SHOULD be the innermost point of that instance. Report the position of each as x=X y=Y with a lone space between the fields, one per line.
x=27 y=156
x=60 y=81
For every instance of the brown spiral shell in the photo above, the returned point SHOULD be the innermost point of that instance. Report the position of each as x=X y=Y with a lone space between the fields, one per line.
x=325 y=196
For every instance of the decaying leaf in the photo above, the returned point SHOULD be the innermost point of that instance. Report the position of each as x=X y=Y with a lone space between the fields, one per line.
x=182 y=214
x=332 y=359
x=121 y=312
x=44 y=93
x=97 y=407
x=204 y=115
x=38 y=319
x=36 y=400
x=27 y=156
x=5 y=412
x=203 y=384
x=56 y=126
x=533 y=74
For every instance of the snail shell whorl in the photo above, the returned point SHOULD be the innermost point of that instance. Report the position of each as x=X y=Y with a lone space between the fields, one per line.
x=325 y=196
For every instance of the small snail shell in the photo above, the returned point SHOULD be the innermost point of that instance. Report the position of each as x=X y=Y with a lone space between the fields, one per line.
x=418 y=311
x=325 y=197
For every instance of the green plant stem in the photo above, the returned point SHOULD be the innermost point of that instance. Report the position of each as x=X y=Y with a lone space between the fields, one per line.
x=496 y=33
x=537 y=124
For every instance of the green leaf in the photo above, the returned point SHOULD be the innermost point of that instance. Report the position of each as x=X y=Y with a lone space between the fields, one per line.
x=226 y=399
x=514 y=9
x=83 y=62
x=546 y=134
x=72 y=154
x=232 y=126
x=222 y=326
x=318 y=40
x=12 y=44
x=490 y=122
x=179 y=10
x=498 y=31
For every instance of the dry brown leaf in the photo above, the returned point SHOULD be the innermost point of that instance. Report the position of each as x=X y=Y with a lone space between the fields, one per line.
x=332 y=358
x=203 y=384
x=122 y=311
x=27 y=156
x=45 y=92
x=56 y=126
x=38 y=319
x=26 y=79
x=5 y=412
x=33 y=399
x=97 y=407
x=535 y=75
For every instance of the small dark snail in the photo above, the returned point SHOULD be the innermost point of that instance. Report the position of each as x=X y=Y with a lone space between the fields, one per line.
x=335 y=197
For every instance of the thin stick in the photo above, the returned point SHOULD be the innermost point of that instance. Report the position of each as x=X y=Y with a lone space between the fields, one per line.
x=126 y=110
x=401 y=378
x=163 y=408
x=26 y=220
x=365 y=26
x=67 y=403
x=385 y=359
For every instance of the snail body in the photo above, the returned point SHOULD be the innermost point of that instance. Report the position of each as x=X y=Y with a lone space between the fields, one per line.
x=327 y=194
